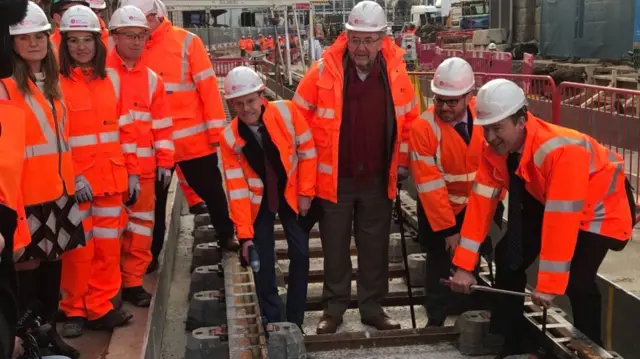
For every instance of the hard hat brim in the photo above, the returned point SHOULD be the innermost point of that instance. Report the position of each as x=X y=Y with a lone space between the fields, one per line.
x=243 y=92
x=35 y=30
x=68 y=29
x=438 y=91
x=365 y=29
x=98 y=7
x=485 y=121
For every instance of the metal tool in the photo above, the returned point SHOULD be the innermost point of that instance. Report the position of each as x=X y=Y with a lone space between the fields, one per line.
x=483 y=288
x=542 y=352
x=400 y=222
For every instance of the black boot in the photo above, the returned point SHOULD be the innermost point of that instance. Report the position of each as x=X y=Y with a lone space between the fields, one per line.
x=137 y=296
x=199 y=208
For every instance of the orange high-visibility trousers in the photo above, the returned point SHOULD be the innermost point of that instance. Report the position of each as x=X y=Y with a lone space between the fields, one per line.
x=136 y=239
x=91 y=275
x=189 y=194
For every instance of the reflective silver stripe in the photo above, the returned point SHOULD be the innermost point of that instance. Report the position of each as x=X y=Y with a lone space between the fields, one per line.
x=230 y=139
x=115 y=80
x=428 y=116
x=143 y=216
x=128 y=147
x=234 y=173
x=185 y=57
x=220 y=123
x=163 y=144
x=302 y=102
x=238 y=194
x=404 y=109
x=285 y=113
x=554 y=266
x=431 y=185
x=88 y=235
x=145 y=152
x=106 y=137
x=125 y=120
x=139 y=229
x=428 y=160
x=320 y=67
x=100 y=232
x=159 y=123
x=141 y=116
x=203 y=75
x=554 y=143
x=599 y=212
x=110 y=43
x=189 y=131
x=173 y=87
x=404 y=147
x=325 y=113
x=255 y=199
x=486 y=191
x=325 y=168
x=255 y=183
x=85 y=140
x=52 y=141
x=153 y=83
x=469 y=244
x=458 y=199
x=563 y=206
x=307 y=154
x=465 y=177
x=105 y=211
x=306 y=136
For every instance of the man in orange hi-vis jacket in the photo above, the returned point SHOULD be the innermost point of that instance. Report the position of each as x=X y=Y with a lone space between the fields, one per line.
x=196 y=107
x=269 y=164
x=144 y=103
x=569 y=202
x=359 y=103
x=445 y=149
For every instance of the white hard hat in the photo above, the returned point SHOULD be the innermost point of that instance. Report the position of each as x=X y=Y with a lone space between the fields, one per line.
x=492 y=46
x=367 y=16
x=35 y=21
x=128 y=16
x=147 y=6
x=453 y=77
x=97 y=4
x=497 y=100
x=242 y=81
x=79 y=18
x=162 y=9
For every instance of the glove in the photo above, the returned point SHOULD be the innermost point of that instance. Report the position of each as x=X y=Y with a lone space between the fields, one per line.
x=164 y=176
x=134 y=190
x=83 y=190
x=403 y=173
x=245 y=255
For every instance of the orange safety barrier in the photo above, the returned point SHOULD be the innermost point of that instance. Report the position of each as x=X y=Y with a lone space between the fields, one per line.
x=222 y=66
x=608 y=114
x=539 y=89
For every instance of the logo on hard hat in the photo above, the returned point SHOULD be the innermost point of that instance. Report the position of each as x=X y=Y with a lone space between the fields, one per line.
x=237 y=87
x=131 y=18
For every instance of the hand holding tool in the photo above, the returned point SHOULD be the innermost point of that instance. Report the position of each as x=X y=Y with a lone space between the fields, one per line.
x=484 y=288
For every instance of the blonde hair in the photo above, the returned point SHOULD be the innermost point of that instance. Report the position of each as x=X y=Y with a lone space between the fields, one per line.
x=22 y=74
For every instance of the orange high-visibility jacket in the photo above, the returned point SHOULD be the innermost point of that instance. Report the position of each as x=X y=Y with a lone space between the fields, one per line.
x=195 y=104
x=319 y=97
x=145 y=103
x=579 y=181
x=48 y=167
x=12 y=150
x=96 y=135
x=443 y=166
x=242 y=44
x=291 y=135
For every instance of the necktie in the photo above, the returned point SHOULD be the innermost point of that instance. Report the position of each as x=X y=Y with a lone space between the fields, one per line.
x=514 y=225
x=461 y=128
x=271 y=179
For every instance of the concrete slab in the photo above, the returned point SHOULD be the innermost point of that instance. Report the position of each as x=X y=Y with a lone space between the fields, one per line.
x=438 y=351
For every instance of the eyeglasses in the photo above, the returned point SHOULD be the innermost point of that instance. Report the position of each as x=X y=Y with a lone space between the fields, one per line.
x=77 y=41
x=133 y=37
x=354 y=41
x=450 y=102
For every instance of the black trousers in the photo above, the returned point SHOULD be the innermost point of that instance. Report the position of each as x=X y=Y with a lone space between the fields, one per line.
x=202 y=174
x=506 y=312
x=40 y=285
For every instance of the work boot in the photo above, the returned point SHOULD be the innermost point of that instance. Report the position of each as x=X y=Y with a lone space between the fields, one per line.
x=137 y=296
x=434 y=323
x=328 y=324
x=153 y=266
x=199 y=208
x=113 y=319
x=73 y=327
x=381 y=322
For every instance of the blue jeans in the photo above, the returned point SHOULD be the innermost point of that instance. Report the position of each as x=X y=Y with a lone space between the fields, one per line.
x=298 y=244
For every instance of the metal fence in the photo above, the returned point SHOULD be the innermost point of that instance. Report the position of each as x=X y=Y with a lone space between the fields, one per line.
x=219 y=35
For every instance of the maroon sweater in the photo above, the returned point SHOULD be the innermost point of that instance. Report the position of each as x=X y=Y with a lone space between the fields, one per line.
x=362 y=153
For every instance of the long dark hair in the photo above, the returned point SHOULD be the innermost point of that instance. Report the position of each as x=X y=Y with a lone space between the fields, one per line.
x=99 y=59
x=22 y=73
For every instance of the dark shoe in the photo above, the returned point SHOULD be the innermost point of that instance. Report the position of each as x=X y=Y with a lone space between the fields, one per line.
x=381 y=322
x=229 y=243
x=73 y=327
x=152 y=266
x=434 y=323
x=113 y=319
x=199 y=208
x=328 y=324
x=137 y=296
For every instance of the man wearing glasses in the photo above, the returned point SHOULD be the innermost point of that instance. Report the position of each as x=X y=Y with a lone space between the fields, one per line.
x=444 y=149
x=359 y=103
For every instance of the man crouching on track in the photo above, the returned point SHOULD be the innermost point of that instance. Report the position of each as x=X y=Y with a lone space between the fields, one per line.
x=269 y=162
x=569 y=201
x=359 y=102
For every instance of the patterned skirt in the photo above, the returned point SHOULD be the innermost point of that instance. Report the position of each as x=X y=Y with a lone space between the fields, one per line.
x=55 y=227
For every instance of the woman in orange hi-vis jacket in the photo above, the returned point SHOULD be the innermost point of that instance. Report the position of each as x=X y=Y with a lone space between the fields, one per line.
x=269 y=162
x=48 y=185
x=145 y=103
x=569 y=201
x=91 y=275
